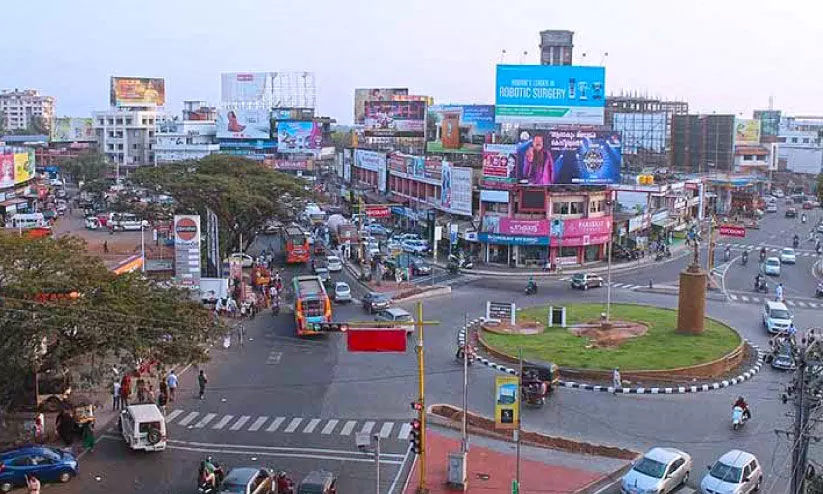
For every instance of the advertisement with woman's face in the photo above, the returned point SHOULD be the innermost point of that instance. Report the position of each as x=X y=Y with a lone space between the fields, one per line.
x=569 y=157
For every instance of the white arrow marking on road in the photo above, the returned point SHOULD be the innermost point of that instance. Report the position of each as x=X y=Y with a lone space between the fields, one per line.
x=385 y=431
x=173 y=415
x=274 y=425
x=188 y=418
x=348 y=427
x=205 y=420
x=404 y=431
x=367 y=427
x=240 y=423
x=312 y=425
x=329 y=426
x=258 y=423
x=293 y=424
x=222 y=423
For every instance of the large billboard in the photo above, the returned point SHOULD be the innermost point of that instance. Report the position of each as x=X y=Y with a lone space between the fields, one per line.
x=769 y=123
x=67 y=129
x=373 y=161
x=550 y=94
x=245 y=87
x=137 y=91
x=746 y=131
x=642 y=132
x=395 y=119
x=16 y=166
x=569 y=156
x=372 y=94
x=499 y=163
x=298 y=137
x=187 y=250
x=459 y=128
x=347 y=161
x=6 y=168
x=456 y=189
x=243 y=124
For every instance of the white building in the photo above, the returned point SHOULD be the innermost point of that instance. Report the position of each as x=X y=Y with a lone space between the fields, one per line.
x=190 y=138
x=19 y=109
x=800 y=144
x=127 y=135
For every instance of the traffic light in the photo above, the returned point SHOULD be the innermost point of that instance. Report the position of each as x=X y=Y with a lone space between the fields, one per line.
x=331 y=327
x=416 y=436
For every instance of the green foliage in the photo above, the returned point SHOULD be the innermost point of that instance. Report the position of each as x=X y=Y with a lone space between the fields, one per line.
x=820 y=187
x=87 y=167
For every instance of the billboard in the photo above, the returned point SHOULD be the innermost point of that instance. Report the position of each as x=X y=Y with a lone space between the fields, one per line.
x=137 y=91
x=550 y=94
x=243 y=124
x=506 y=404
x=395 y=119
x=16 y=166
x=458 y=180
x=66 y=129
x=6 y=169
x=187 y=250
x=459 y=128
x=769 y=123
x=746 y=131
x=374 y=161
x=372 y=94
x=500 y=163
x=641 y=131
x=288 y=165
x=236 y=87
x=298 y=137
x=347 y=161
x=569 y=156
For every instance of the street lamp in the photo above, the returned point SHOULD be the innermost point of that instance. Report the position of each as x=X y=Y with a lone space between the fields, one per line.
x=610 y=204
x=143 y=225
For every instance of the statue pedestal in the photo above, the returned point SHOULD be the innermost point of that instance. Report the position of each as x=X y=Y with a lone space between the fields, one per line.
x=691 y=307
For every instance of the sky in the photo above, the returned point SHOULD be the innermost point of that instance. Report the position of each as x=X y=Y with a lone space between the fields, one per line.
x=724 y=56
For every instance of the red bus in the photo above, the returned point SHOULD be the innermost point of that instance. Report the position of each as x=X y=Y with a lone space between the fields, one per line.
x=311 y=303
x=295 y=244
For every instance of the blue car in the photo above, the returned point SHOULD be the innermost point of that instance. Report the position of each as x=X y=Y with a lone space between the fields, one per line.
x=47 y=464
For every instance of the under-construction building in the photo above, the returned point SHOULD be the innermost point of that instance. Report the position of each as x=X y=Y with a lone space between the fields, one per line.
x=556 y=47
x=703 y=143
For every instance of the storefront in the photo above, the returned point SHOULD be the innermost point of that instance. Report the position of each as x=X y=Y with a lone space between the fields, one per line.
x=580 y=240
x=512 y=250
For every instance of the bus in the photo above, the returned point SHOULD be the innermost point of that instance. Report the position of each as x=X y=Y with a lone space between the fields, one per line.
x=295 y=244
x=311 y=304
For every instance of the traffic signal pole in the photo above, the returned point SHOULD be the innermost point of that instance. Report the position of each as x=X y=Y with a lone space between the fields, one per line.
x=423 y=488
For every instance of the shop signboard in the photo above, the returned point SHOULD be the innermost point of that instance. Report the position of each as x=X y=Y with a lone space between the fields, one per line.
x=732 y=231
x=187 y=250
x=498 y=196
x=569 y=156
x=511 y=226
x=638 y=223
x=506 y=404
x=378 y=212
x=288 y=165
x=501 y=239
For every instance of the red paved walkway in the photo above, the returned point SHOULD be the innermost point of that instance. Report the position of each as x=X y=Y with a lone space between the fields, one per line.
x=536 y=477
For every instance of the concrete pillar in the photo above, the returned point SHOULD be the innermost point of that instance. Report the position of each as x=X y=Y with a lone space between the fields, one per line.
x=691 y=307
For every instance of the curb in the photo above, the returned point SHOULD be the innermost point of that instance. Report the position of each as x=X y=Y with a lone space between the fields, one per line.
x=745 y=376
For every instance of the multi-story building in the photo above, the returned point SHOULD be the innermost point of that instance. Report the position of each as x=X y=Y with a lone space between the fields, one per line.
x=556 y=47
x=703 y=143
x=801 y=148
x=26 y=109
x=193 y=137
x=646 y=126
x=127 y=135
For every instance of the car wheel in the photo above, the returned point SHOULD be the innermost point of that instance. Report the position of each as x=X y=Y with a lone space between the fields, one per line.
x=585 y=286
x=685 y=478
x=5 y=487
x=759 y=483
x=600 y=284
x=64 y=477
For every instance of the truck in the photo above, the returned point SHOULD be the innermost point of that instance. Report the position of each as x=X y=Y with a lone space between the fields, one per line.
x=212 y=289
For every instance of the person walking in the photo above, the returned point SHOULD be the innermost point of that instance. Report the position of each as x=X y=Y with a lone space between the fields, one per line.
x=201 y=382
x=779 y=292
x=162 y=401
x=33 y=484
x=125 y=390
x=105 y=247
x=115 y=396
x=151 y=396
x=87 y=435
x=171 y=382
x=617 y=380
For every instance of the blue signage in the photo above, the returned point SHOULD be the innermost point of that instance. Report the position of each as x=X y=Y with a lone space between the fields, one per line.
x=496 y=238
x=550 y=94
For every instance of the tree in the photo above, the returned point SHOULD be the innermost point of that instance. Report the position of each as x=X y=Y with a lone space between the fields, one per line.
x=342 y=138
x=820 y=187
x=59 y=306
x=86 y=166
x=242 y=193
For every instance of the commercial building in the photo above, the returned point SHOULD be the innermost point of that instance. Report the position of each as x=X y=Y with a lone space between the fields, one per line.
x=703 y=143
x=189 y=138
x=126 y=136
x=25 y=109
x=801 y=150
x=556 y=47
x=646 y=125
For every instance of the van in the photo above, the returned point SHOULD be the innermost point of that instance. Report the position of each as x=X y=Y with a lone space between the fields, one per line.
x=776 y=317
x=143 y=427
x=27 y=220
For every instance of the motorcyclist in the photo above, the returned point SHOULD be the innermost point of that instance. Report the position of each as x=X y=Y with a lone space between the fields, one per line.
x=741 y=402
x=531 y=286
x=758 y=281
x=206 y=473
x=762 y=253
x=283 y=483
x=745 y=256
x=796 y=240
x=727 y=253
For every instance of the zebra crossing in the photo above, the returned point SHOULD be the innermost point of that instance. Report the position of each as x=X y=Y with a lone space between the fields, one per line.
x=386 y=429
x=626 y=286
x=753 y=248
x=754 y=299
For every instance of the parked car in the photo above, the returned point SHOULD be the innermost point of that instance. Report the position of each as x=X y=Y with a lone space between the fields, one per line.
x=660 y=470
x=334 y=264
x=776 y=317
x=808 y=205
x=143 y=427
x=735 y=472
x=342 y=292
x=791 y=212
x=419 y=267
x=584 y=281
x=318 y=482
x=47 y=464
x=415 y=246
x=398 y=315
x=377 y=229
x=772 y=266
x=375 y=301
x=247 y=480
x=245 y=260
x=771 y=207
x=788 y=256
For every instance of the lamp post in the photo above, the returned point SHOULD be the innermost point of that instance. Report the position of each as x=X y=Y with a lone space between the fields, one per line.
x=610 y=204
x=143 y=225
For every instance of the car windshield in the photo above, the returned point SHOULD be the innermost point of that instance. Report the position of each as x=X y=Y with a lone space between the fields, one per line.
x=788 y=252
x=650 y=468
x=228 y=486
x=379 y=297
x=780 y=314
x=579 y=277
x=773 y=262
x=725 y=473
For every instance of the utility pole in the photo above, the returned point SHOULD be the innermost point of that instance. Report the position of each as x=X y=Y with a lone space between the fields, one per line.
x=801 y=436
x=519 y=408
x=423 y=488
x=465 y=442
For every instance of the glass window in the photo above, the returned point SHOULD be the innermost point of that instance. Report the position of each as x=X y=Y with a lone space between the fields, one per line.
x=560 y=208
x=576 y=208
x=568 y=252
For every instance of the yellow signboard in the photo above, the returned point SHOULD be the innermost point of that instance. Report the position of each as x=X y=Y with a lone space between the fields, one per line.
x=23 y=166
x=747 y=131
x=506 y=403
x=138 y=91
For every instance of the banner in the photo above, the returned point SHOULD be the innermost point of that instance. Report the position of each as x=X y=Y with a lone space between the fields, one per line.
x=506 y=410
x=137 y=91
x=245 y=87
x=395 y=119
x=461 y=191
x=187 y=250
x=446 y=185
x=361 y=96
x=591 y=157
x=66 y=129
x=298 y=137
x=243 y=124
x=746 y=131
x=550 y=94
x=500 y=162
x=6 y=169
x=459 y=128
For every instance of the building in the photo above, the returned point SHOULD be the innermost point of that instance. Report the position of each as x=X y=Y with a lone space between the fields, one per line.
x=190 y=138
x=556 y=47
x=646 y=125
x=800 y=144
x=703 y=143
x=126 y=136
x=21 y=109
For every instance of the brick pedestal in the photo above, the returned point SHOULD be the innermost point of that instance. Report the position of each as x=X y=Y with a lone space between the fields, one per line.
x=691 y=307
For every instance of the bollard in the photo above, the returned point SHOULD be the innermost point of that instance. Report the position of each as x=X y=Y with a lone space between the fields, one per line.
x=651 y=283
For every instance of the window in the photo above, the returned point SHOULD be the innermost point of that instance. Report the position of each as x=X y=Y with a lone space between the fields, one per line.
x=119 y=121
x=128 y=121
x=111 y=133
x=576 y=208
x=119 y=147
x=595 y=206
x=794 y=140
x=805 y=140
x=100 y=121
x=560 y=208
x=781 y=139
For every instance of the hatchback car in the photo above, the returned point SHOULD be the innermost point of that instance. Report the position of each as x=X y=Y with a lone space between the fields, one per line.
x=374 y=301
x=415 y=246
x=584 y=281
x=419 y=267
x=47 y=464
x=771 y=207
x=334 y=264
x=318 y=482
x=735 y=472
x=398 y=315
x=776 y=317
x=342 y=292
x=247 y=480
x=245 y=260
x=791 y=212
x=782 y=358
x=660 y=470
x=772 y=266
x=788 y=256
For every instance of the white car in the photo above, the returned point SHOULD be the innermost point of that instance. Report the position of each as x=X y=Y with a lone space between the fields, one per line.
x=788 y=256
x=415 y=246
x=736 y=472
x=143 y=427
x=660 y=470
x=334 y=264
x=342 y=292
x=772 y=266
x=771 y=207
x=245 y=260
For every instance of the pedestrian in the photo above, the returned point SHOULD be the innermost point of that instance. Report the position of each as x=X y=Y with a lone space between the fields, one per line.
x=164 y=388
x=779 y=292
x=125 y=390
x=141 y=391
x=115 y=395
x=617 y=381
x=150 y=394
x=87 y=435
x=64 y=424
x=201 y=382
x=162 y=401
x=171 y=381
x=241 y=333
x=105 y=247
x=33 y=484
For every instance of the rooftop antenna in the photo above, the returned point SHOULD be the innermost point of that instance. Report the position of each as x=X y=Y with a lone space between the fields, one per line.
x=771 y=102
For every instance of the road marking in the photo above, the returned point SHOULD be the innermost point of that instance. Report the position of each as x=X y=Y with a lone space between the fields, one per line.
x=258 y=423
x=205 y=420
x=274 y=425
x=173 y=415
x=222 y=423
x=293 y=424
x=733 y=296
x=802 y=304
x=405 y=430
x=312 y=425
x=329 y=426
x=188 y=418
x=274 y=358
x=385 y=431
x=367 y=427
x=240 y=423
x=744 y=298
x=790 y=302
x=348 y=427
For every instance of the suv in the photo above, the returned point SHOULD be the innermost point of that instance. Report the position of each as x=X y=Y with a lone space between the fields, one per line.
x=776 y=317
x=396 y=314
x=374 y=301
x=143 y=427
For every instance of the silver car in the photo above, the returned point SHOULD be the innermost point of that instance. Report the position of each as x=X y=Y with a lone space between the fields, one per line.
x=736 y=472
x=660 y=470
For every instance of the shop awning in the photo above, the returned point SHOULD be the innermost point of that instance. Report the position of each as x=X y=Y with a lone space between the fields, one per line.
x=13 y=202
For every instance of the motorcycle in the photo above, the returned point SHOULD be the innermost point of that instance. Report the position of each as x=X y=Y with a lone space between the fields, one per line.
x=819 y=290
x=762 y=255
x=739 y=418
x=275 y=307
x=206 y=487
x=727 y=254
x=283 y=483
x=531 y=288
x=795 y=242
x=533 y=394
x=745 y=259
x=461 y=355
x=761 y=286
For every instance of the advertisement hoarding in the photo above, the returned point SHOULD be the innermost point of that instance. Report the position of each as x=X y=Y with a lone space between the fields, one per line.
x=550 y=94
x=245 y=87
x=304 y=114
x=187 y=250
x=499 y=163
x=362 y=95
x=373 y=161
x=641 y=131
x=347 y=161
x=506 y=404
x=290 y=165
x=511 y=226
x=243 y=124
x=746 y=131
x=456 y=189
x=6 y=168
x=395 y=119
x=67 y=129
x=298 y=137
x=23 y=165
x=569 y=157
x=137 y=91
x=732 y=231
x=459 y=128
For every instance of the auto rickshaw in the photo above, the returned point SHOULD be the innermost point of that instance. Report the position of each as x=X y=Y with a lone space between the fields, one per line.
x=539 y=381
x=82 y=408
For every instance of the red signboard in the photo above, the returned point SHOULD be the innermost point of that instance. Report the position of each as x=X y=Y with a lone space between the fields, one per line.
x=376 y=340
x=378 y=212
x=733 y=231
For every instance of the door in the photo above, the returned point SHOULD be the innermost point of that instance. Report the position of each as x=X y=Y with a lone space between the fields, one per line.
x=46 y=468
x=19 y=467
x=674 y=475
x=747 y=483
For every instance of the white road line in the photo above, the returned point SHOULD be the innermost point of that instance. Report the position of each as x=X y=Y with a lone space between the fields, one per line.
x=348 y=427
x=790 y=302
x=274 y=425
x=293 y=424
x=329 y=426
x=744 y=298
x=173 y=415
x=257 y=424
x=802 y=304
x=312 y=425
x=367 y=427
x=385 y=431
x=188 y=418
x=205 y=420
x=733 y=296
x=240 y=423
x=405 y=430
x=222 y=422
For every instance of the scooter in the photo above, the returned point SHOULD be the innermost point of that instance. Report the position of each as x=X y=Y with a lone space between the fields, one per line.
x=745 y=259
x=761 y=286
x=795 y=242
x=738 y=418
x=207 y=488
x=531 y=288
x=460 y=355
x=275 y=307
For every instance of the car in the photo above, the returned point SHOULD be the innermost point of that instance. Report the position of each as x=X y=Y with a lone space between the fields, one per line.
x=584 y=281
x=375 y=301
x=377 y=229
x=660 y=470
x=772 y=266
x=415 y=246
x=143 y=427
x=419 y=267
x=782 y=358
x=777 y=193
x=322 y=272
x=771 y=207
x=808 y=205
x=776 y=317
x=272 y=227
x=47 y=464
x=398 y=315
x=319 y=263
x=735 y=472
x=247 y=480
x=245 y=260
x=342 y=292
x=318 y=482
x=791 y=212
x=788 y=256
x=334 y=263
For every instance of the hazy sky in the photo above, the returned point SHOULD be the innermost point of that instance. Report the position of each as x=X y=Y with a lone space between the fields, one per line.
x=721 y=55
